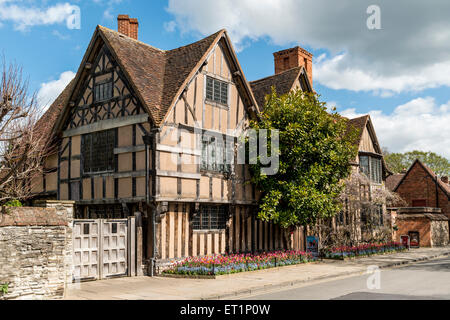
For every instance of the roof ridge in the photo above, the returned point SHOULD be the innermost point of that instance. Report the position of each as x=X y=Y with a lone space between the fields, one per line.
x=275 y=75
x=213 y=35
x=161 y=50
x=132 y=39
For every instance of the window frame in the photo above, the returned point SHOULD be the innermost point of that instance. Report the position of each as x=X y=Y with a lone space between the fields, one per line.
x=213 y=150
x=203 y=221
x=89 y=146
x=222 y=95
x=109 y=85
x=374 y=168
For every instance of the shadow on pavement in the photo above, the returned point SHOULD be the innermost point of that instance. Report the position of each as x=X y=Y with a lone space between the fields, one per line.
x=382 y=296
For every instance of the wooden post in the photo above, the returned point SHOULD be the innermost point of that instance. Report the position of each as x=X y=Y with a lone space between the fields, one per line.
x=131 y=247
x=139 y=244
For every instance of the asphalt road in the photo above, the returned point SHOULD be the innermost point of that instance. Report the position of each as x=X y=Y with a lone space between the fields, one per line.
x=428 y=280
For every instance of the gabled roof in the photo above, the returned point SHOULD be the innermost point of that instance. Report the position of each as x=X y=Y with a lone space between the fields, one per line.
x=393 y=180
x=157 y=76
x=282 y=82
x=359 y=123
x=362 y=122
x=444 y=187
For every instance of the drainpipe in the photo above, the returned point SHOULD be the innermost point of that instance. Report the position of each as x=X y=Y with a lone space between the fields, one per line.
x=148 y=140
x=437 y=191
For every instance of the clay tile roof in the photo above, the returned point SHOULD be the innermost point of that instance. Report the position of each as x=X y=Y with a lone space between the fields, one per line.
x=180 y=63
x=282 y=82
x=393 y=180
x=359 y=123
x=157 y=74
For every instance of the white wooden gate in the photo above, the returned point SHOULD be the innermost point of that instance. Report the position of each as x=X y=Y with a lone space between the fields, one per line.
x=114 y=248
x=102 y=248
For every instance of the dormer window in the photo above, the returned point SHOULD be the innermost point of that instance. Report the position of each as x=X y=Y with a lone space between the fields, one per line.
x=216 y=90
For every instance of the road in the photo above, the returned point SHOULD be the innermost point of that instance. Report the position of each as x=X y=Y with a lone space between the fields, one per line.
x=428 y=280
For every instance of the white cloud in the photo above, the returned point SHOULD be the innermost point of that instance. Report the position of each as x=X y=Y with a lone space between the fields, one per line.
x=49 y=91
x=24 y=16
x=419 y=124
x=170 y=26
x=410 y=53
x=335 y=74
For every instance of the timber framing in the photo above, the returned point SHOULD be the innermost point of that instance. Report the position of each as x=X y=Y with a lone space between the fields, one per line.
x=155 y=107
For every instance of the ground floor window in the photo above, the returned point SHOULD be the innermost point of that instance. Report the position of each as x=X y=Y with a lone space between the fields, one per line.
x=211 y=217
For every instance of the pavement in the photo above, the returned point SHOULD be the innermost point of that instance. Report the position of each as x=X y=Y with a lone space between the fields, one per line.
x=242 y=284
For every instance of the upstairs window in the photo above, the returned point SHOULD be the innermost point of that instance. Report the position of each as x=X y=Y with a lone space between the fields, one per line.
x=217 y=156
x=216 y=91
x=98 y=151
x=211 y=218
x=103 y=91
x=372 y=168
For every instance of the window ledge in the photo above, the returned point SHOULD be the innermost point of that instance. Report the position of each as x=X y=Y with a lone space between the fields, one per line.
x=209 y=231
x=217 y=104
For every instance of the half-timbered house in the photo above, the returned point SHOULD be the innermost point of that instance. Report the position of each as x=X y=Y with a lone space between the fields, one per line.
x=145 y=130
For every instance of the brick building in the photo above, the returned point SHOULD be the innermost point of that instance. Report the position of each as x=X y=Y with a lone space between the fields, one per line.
x=421 y=187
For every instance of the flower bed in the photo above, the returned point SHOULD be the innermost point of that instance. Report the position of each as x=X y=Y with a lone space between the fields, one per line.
x=234 y=263
x=369 y=249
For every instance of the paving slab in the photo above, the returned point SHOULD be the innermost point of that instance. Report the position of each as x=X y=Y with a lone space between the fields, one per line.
x=163 y=288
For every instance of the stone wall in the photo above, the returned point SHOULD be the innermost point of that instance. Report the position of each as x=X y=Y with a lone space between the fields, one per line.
x=36 y=250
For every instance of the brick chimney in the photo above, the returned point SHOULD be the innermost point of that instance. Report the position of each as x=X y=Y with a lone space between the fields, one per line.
x=444 y=180
x=293 y=58
x=128 y=26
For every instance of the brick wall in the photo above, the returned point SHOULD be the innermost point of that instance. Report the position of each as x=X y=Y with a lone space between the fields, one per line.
x=431 y=225
x=421 y=225
x=419 y=185
x=36 y=250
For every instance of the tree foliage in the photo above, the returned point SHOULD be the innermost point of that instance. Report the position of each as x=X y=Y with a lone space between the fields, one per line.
x=315 y=151
x=398 y=162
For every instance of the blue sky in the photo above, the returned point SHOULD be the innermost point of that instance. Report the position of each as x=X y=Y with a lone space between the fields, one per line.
x=402 y=82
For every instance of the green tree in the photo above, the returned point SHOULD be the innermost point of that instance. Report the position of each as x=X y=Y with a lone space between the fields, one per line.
x=397 y=162
x=315 y=150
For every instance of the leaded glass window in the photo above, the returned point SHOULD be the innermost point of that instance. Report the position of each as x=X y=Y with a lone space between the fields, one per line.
x=103 y=91
x=211 y=217
x=217 y=156
x=364 y=165
x=372 y=168
x=98 y=151
x=216 y=90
